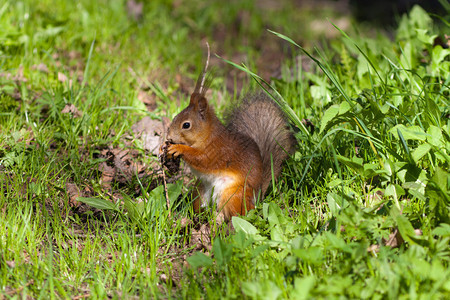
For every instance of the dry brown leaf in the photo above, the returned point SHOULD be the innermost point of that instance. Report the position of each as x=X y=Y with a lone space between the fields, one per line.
x=148 y=99
x=120 y=165
x=373 y=248
x=62 y=77
x=122 y=162
x=41 y=68
x=107 y=172
x=151 y=134
x=18 y=77
x=395 y=239
x=11 y=263
x=148 y=125
x=135 y=9
x=73 y=192
x=70 y=108
x=74 y=55
x=163 y=277
x=185 y=222
x=202 y=238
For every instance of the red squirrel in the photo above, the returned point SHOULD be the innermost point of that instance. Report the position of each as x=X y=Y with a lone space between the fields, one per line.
x=233 y=162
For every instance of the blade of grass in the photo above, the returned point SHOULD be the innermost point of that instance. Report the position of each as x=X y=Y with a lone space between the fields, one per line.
x=362 y=52
x=326 y=70
x=279 y=99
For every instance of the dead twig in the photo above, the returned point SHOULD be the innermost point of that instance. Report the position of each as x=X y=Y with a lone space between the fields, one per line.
x=81 y=296
x=19 y=289
x=166 y=193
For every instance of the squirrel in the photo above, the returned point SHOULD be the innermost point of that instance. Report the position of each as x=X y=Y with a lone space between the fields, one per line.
x=233 y=162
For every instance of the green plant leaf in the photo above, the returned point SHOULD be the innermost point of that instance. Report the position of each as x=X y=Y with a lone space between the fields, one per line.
x=99 y=203
x=420 y=152
x=438 y=193
x=395 y=191
x=425 y=37
x=303 y=287
x=157 y=193
x=355 y=163
x=328 y=116
x=438 y=61
x=222 y=252
x=435 y=136
x=335 y=202
x=344 y=107
x=420 y=18
x=132 y=208
x=265 y=290
x=409 y=133
x=313 y=255
x=442 y=230
x=199 y=259
x=275 y=216
x=174 y=190
x=244 y=226
x=406 y=229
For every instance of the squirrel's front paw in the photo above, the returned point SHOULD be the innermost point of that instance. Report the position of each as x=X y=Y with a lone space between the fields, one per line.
x=174 y=150
x=162 y=150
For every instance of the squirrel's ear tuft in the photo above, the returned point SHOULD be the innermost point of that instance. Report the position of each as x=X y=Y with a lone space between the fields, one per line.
x=194 y=99
x=202 y=106
x=199 y=103
x=198 y=99
x=205 y=78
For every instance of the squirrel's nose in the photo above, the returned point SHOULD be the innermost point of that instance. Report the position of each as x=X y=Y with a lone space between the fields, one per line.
x=168 y=137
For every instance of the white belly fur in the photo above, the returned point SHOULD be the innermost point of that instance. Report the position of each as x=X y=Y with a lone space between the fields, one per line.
x=213 y=186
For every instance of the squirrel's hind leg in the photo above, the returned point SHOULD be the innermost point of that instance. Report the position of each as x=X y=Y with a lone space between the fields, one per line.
x=235 y=201
x=197 y=195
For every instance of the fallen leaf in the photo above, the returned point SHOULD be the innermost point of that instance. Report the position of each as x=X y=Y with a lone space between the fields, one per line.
x=148 y=99
x=40 y=67
x=150 y=132
x=185 y=222
x=70 y=108
x=107 y=172
x=373 y=248
x=19 y=77
x=120 y=165
x=74 y=55
x=202 y=238
x=62 y=77
x=11 y=263
x=73 y=192
x=163 y=277
x=148 y=125
x=135 y=9
x=395 y=239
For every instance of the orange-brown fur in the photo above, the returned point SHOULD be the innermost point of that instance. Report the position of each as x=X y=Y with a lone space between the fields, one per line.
x=217 y=151
x=233 y=162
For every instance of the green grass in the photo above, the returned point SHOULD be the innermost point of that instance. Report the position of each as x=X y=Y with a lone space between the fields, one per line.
x=373 y=171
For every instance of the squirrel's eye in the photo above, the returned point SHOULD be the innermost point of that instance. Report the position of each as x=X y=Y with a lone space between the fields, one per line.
x=186 y=125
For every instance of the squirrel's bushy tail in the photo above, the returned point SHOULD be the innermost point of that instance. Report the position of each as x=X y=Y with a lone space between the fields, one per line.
x=261 y=118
